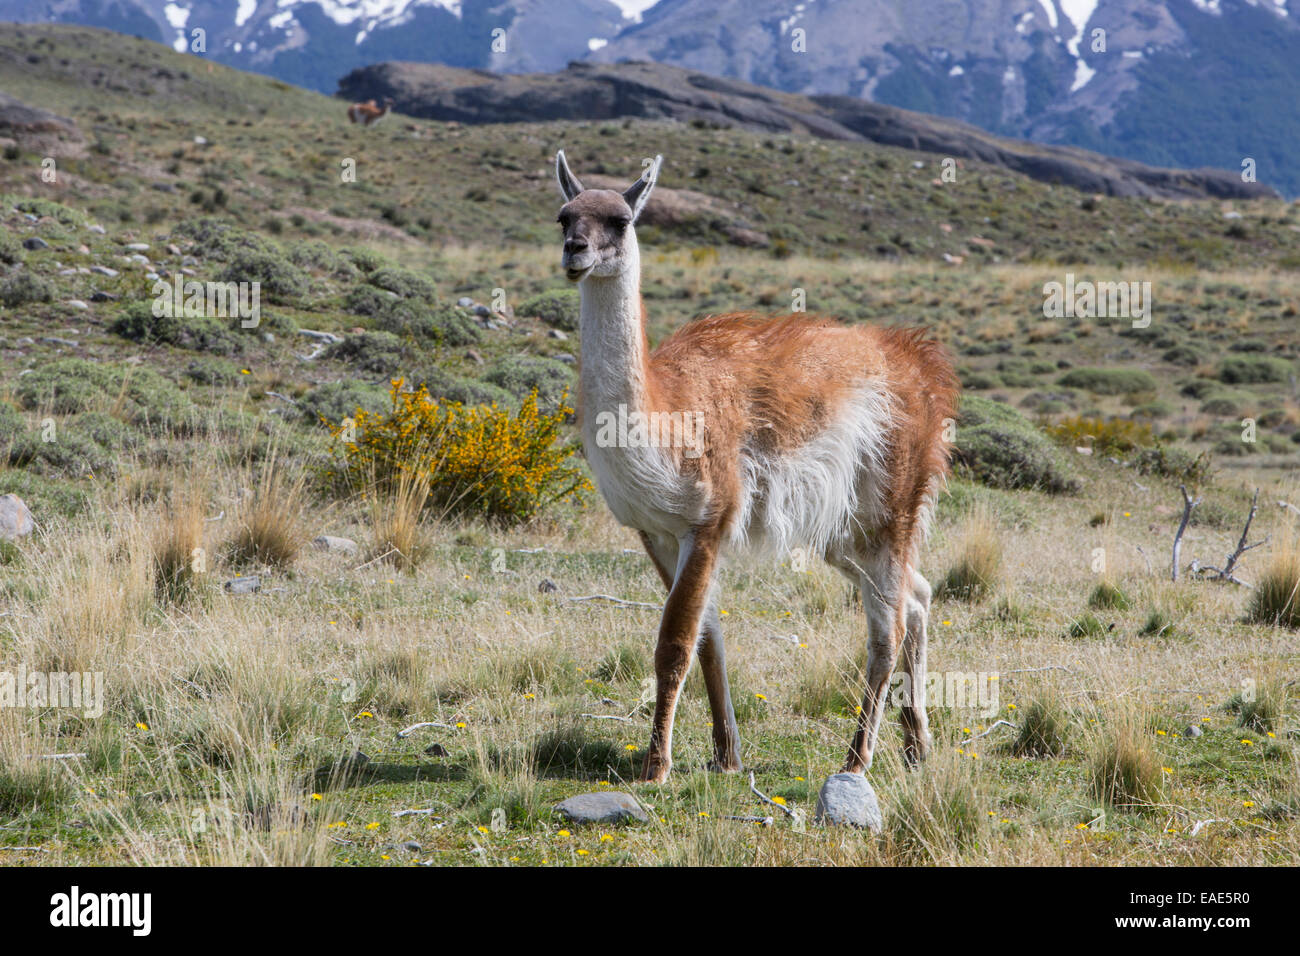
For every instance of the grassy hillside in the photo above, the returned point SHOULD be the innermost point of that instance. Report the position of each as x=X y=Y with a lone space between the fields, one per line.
x=233 y=720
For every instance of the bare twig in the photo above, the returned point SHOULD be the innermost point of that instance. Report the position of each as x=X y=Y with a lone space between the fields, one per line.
x=615 y=600
x=766 y=799
x=380 y=558
x=34 y=849
x=56 y=756
x=1188 y=504
x=766 y=821
x=1035 y=670
x=415 y=813
x=407 y=731
x=607 y=717
x=996 y=725
x=1287 y=506
x=1199 y=824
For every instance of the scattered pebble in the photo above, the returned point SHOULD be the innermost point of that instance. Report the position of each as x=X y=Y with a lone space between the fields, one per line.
x=248 y=585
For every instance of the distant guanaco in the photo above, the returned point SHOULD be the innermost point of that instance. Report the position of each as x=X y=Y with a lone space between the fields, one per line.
x=368 y=112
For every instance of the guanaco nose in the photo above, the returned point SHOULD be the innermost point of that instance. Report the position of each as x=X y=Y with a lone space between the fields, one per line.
x=575 y=244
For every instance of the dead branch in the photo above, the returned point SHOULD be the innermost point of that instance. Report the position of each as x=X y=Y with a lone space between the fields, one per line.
x=615 y=600
x=1188 y=504
x=996 y=725
x=766 y=799
x=1225 y=573
x=407 y=731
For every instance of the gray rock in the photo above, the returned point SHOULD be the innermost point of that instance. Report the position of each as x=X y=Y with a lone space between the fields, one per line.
x=97 y=229
x=1192 y=730
x=15 y=519
x=412 y=846
x=848 y=800
x=465 y=302
x=98 y=296
x=138 y=246
x=566 y=358
x=547 y=586
x=436 y=750
x=35 y=243
x=329 y=542
x=610 y=806
x=77 y=304
x=105 y=271
x=557 y=334
x=248 y=585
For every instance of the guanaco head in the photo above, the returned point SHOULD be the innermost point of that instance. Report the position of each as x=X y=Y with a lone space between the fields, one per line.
x=598 y=223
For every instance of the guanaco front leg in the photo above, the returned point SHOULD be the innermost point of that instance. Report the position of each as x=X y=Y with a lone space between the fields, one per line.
x=678 y=633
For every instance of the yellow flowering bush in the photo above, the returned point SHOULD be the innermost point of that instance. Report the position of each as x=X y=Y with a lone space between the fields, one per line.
x=480 y=459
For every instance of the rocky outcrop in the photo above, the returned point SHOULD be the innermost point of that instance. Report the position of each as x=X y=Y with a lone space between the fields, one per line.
x=36 y=130
x=586 y=91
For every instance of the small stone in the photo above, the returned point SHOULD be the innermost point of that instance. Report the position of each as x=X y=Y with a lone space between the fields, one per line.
x=847 y=799
x=103 y=297
x=56 y=340
x=173 y=249
x=15 y=519
x=473 y=356
x=547 y=586
x=105 y=271
x=248 y=585
x=1192 y=730
x=329 y=542
x=412 y=846
x=483 y=310
x=35 y=243
x=138 y=246
x=610 y=806
x=97 y=229
x=557 y=334
x=566 y=358
x=465 y=302
x=77 y=304
x=436 y=750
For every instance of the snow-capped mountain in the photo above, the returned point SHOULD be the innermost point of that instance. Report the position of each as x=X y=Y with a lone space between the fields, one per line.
x=1169 y=82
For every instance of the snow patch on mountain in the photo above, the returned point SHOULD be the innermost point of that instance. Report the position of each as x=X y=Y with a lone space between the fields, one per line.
x=632 y=9
x=1079 y=12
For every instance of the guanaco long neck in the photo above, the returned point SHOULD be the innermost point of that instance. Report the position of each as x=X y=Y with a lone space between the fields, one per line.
x=615 y=350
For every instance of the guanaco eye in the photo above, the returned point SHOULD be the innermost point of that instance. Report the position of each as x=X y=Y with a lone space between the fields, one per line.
x=620 y=223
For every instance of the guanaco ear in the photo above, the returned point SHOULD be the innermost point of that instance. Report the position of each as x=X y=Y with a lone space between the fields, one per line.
x=637 y=194
x=569 y=185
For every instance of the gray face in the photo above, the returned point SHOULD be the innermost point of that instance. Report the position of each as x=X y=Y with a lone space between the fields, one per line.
x=595 y=224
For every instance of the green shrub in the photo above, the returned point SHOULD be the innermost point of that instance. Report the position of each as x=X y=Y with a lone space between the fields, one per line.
x=201 y=334
x=1175 y=463
x=1253 y=369
x=339 y=400
x=379 y=352
x=521 y=374
x=71 y=386
x=467 y=391
x=280 y=279
x=25 y=288
x=1001 y=448
x=11 y=250
x=366 y=300
x=404 y=283
x=212 y=371
x=441 y=325
x=555 y=307
x=1109 y=381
